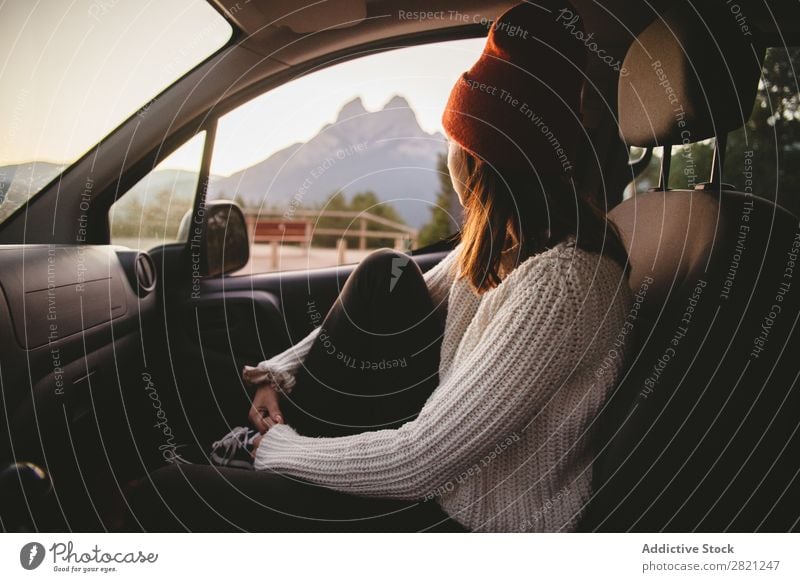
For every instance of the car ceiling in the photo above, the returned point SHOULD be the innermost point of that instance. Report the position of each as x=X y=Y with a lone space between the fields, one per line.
x=269 y=26
x=294 y=32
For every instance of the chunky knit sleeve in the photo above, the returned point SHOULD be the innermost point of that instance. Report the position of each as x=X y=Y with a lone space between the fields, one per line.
x=525 y=353
x=282 y=368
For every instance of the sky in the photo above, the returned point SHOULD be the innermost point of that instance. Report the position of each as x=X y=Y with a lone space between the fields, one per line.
x=296 y=111
x=71 y=71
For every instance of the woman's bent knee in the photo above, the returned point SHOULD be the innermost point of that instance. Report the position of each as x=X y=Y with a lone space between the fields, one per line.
x=383 y=258
x=384 y=269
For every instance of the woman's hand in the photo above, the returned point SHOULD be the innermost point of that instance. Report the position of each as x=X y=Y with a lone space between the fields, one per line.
x=265 y=411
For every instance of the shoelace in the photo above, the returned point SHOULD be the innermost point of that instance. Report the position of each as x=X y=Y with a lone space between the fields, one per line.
x=232 y=441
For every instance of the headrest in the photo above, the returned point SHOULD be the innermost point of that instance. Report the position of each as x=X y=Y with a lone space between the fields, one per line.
x=691 y=74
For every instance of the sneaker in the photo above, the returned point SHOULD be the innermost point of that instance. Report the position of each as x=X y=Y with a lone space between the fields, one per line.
x=235 y=448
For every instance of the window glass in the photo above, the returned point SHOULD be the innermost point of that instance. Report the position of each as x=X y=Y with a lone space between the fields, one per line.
x=150 y=213
x=344 y=160
x=73 y=71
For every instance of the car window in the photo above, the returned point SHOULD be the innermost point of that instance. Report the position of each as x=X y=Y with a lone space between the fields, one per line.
x=73 y=71
x=150 y=213
x=344 y=160
x=762 y=157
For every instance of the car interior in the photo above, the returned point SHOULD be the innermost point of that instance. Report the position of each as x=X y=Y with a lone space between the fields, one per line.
x=143 y=361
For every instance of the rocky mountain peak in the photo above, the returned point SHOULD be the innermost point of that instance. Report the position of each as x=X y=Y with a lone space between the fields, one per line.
x=397 y=102
x=351 y=109
x=384 y=151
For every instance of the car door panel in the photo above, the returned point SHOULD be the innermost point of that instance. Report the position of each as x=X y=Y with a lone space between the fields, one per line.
x=71 y=367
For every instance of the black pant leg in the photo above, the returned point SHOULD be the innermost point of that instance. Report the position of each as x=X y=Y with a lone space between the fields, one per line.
x=376 y=359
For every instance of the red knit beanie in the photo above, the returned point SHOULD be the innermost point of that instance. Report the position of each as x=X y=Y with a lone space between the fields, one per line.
x=518 y=107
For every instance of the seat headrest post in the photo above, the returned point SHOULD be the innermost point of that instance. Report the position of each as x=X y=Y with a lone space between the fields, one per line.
x=715 y=183
x=666 y=163
x=718 y=160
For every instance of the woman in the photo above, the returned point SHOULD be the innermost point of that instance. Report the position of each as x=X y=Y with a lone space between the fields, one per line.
x=464 y=398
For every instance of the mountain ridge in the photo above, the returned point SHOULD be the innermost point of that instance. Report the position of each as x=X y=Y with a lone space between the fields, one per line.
x=385 y=151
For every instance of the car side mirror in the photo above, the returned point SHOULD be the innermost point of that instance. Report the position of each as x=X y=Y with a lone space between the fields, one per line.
x=225 y=247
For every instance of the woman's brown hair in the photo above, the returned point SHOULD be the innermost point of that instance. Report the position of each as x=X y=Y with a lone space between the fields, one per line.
x=508 y=218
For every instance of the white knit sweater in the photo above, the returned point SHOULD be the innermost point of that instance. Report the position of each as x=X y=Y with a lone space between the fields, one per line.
x=502 y=442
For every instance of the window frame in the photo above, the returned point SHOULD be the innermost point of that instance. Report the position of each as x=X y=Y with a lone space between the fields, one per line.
x=299 y=71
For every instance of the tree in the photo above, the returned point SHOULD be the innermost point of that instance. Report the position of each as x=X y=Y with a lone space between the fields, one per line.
x=152 y=216
x=772 y=134
x=443 y=223
x=367 y=202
